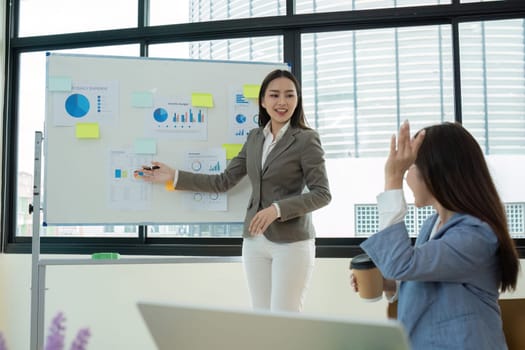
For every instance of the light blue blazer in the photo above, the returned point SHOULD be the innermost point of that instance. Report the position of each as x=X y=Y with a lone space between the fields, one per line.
x=448 y=298
x=295 y=163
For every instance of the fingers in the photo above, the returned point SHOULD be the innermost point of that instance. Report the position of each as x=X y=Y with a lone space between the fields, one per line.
x=262 y=220
x=406 y=144
x=407 y=147
x=258 y=225
x=158 y=164
x=157 y=172
x=353 y=283
x=404 y=137
x=417 y=141
x=393 y=145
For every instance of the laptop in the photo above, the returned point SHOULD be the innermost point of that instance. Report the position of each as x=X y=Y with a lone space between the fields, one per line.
x=186 y=327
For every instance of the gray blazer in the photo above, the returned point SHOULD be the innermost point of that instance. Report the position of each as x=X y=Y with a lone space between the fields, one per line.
x=448 y=298
x=295 y=163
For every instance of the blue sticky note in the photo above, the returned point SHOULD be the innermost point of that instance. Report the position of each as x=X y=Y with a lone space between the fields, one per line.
x=146 y=146
x=142 y=99
x=59 y=84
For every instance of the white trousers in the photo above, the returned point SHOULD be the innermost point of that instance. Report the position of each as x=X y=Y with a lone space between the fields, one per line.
x=278 y=274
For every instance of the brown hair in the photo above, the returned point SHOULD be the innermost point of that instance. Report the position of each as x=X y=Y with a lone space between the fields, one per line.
x=298 y=119
x=454 y=170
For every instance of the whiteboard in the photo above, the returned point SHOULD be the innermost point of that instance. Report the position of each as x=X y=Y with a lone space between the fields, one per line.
x=107 y=115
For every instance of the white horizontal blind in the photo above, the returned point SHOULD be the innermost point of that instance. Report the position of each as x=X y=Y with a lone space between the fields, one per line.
x=358 y=86
x=493 y=84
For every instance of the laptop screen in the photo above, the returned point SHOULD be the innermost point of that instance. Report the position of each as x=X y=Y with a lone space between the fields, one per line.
x=185 y=327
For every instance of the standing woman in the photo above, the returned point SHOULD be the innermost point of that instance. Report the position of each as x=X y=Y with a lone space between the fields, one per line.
x=463 y=256
x=284 y=161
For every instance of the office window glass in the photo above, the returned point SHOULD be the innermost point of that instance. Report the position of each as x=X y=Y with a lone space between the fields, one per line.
x=467 y=1
x=39 y=17
x=188 y=11
x=493 y=84
x=318 y=6
x=31 y=115
x=493 y=104
x=358 y=86
x=260 y=49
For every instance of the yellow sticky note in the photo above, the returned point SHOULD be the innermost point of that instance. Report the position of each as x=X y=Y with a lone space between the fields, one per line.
x=199 y=99
x=232 y=149
x=251 y=91
x=87 y=131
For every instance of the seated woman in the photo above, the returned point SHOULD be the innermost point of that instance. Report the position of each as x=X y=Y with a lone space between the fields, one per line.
x=448 y=283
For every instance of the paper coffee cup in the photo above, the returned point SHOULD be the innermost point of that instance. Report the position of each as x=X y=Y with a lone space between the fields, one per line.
x=368 y=277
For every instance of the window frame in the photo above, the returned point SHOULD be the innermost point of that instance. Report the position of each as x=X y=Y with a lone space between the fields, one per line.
x=289 y=26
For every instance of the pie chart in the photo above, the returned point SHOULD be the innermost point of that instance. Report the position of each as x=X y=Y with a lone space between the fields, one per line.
x=77 y=105
x=240 y=118
x=160 y=115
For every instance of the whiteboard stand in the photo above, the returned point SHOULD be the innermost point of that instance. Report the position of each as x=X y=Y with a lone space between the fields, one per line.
x=38 y=267
x=37 y=271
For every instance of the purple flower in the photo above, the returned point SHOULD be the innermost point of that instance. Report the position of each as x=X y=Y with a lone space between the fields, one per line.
x=81 y=339
x=2 y=343
x=55 y=339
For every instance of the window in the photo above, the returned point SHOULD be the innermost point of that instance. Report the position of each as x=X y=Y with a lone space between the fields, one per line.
x=31 y=107
x=69 y=16
x=360 y=80
x=318 y=6
x=184 y=11
x=358 y=87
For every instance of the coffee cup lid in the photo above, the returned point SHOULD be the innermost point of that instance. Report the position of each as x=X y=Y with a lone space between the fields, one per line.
x=362 y=262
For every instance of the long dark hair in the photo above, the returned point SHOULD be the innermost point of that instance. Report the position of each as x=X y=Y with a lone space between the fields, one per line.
x=298 y=119
x=454 y=170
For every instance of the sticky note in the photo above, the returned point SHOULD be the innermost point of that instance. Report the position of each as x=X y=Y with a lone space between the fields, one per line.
x=59 y=84
x=146 y=146
x=87 y=131
x=142 y=99
x=199 y=99
x=169 y=186
x=251 y=91
x=232 y=149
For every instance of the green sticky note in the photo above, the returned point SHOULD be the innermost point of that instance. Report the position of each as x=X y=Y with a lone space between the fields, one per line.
x=87 y=131
x=146 y=146
x=199 y=99
x=59 y=84
x=105 y=256
x=142 y=99
x=232 y=149
x=251 y=91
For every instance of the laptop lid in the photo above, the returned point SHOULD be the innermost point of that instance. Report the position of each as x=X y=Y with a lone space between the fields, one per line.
x=185 y=327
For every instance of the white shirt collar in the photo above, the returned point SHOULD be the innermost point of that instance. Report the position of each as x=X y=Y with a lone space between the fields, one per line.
x=281 y=132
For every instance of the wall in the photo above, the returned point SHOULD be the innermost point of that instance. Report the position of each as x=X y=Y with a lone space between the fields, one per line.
x=104 y=298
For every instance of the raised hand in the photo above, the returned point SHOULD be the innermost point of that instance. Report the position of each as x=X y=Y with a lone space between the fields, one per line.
x=401 y=156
